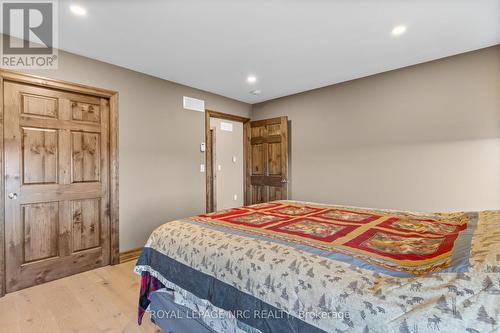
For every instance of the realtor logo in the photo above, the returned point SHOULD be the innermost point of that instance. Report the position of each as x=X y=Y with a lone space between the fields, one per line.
x=29 y=35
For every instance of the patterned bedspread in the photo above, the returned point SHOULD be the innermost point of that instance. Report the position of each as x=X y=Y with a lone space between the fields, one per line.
x=337 y=269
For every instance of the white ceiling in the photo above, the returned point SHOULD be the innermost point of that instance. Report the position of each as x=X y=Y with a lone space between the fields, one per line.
x=290 y=45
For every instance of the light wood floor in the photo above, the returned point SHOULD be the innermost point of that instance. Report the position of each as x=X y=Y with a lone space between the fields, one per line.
x=102 y=300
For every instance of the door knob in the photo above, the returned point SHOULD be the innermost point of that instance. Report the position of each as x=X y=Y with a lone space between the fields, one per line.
x=284 y=180
x=12 y=195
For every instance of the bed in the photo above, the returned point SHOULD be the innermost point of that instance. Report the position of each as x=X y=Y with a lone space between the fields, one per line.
x=290 y=266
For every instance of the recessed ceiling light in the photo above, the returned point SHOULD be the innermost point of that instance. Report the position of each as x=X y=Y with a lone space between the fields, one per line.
x=251 y=79
x=78 y=10
x=399 y=30
x=255 y=92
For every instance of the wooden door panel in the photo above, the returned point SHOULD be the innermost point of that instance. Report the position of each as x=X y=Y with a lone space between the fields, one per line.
x=258 y=159
x=57 y=165
x=273 y=129
x=85 y=112
x=274 y=158
x=59 y=192
x=267 y=160
x=41 y=224
x=258 y=132
x=39 y=149
x=49 y=269
x=39 y=105
x=275 y=193
x=259 y=194
x=86 y=223
x=85 y=156
x=272 y=180
x=39 y=122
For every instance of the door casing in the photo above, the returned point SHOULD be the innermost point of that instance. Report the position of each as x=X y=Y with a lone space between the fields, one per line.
x=282 y=122
x=208 y=155
x=13 y=76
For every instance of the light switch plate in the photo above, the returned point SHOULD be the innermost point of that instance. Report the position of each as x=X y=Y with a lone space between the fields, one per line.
x=234 y=159
x=202 y=167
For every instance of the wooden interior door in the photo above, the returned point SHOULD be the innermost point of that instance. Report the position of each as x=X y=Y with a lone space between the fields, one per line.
x=56 y=184
x=267 y=160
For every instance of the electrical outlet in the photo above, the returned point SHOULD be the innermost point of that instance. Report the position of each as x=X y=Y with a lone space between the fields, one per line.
x=235 y=197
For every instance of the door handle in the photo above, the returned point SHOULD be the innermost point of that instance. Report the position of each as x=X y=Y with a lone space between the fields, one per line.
x=12 y=196
x=284 y=181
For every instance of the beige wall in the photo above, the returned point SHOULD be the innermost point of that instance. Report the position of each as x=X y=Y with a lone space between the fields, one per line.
x=229 y=179
x=426 y=137
x=160 y=159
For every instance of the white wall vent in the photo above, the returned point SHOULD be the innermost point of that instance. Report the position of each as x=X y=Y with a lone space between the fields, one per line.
x=194 y=104
x=228 y=127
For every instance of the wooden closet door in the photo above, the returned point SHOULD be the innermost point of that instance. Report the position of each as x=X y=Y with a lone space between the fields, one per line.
x=56 y=184
x=267 y=160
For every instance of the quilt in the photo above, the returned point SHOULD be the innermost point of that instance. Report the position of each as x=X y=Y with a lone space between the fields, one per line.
x=407 y=243
x=337 y=269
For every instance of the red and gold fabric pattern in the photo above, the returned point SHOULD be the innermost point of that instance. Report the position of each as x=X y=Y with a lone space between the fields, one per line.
x=255 y=219
x=346 y=216
x=313 y=229
x=399 y=241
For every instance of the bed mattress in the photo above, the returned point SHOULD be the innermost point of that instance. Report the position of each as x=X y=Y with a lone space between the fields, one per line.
x=290 y=266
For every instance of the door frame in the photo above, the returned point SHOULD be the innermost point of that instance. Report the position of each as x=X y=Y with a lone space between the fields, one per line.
x=212 y=142
x=14 y=76
x=208 y=155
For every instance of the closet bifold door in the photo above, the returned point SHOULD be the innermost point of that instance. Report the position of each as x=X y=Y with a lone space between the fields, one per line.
x=56 y=148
